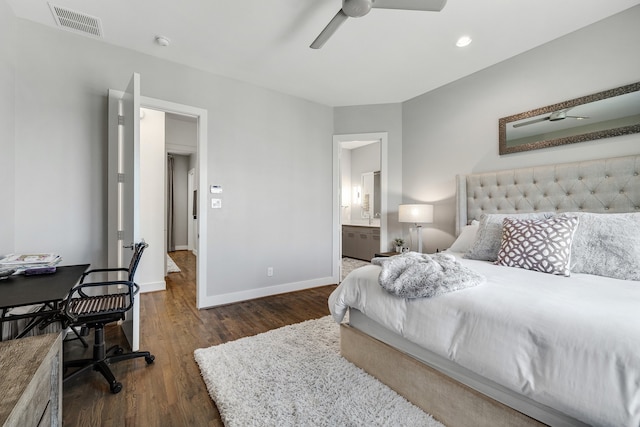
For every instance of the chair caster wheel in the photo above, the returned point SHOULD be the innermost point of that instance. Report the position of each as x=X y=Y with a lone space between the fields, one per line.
x=150 y=359
x=116 y=388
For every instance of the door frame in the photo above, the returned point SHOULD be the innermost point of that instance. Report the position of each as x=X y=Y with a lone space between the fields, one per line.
x=383 y=137
x=201 y=115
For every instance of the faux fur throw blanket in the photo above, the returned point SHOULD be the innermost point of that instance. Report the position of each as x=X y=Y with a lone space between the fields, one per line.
x=414 y=275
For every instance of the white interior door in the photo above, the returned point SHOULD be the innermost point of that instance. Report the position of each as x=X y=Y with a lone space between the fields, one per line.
x=124 y=198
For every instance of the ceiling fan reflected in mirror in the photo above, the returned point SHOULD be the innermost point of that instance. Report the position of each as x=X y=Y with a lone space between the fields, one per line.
x=358 y=8
x=553 y=117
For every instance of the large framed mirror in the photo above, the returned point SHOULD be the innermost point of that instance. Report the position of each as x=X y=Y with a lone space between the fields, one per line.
x=604 y=114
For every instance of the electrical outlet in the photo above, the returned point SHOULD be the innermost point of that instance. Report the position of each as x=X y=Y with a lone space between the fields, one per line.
x=269 y=271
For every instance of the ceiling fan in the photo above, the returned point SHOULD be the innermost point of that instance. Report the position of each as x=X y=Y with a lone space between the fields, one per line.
x=358 y=8
x=553 y=117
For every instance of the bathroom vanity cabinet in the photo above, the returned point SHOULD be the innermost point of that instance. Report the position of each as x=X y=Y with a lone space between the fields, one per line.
x=360 y=242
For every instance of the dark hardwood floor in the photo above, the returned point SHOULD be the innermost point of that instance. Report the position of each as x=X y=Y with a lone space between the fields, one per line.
x=170 y=392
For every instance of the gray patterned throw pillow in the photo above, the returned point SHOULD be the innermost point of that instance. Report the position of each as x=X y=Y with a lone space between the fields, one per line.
x=487 y=243
x=538 y=245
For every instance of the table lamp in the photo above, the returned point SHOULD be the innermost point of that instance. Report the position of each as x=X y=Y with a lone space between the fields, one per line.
x=418 y=214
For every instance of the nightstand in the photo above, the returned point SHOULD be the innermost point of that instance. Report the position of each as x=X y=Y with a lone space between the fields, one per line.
x=385 y=254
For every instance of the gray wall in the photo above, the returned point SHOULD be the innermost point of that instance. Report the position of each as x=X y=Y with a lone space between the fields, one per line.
x=379 y=118
x=364 y=159
x=272 y=153
x=454 y=129
x=7 y=179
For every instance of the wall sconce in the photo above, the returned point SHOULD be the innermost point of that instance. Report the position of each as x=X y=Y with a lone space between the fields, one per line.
x=357 y=195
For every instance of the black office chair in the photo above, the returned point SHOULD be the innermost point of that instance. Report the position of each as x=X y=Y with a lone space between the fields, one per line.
x=82 y=309
x=131 y=271
x=138 y=249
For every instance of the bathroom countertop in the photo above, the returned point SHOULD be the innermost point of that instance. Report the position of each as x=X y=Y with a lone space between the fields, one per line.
x=361 y=225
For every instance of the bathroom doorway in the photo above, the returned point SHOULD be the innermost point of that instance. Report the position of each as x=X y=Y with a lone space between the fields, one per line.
x=352 y=206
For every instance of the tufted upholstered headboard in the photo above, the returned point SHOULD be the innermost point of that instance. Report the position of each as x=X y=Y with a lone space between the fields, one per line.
x=603 y=186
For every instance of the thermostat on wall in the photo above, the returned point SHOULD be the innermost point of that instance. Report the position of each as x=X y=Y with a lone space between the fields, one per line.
x=216 y=189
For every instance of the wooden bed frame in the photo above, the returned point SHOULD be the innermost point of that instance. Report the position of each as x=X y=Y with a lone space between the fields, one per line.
x=603 y=186
x=447 y=400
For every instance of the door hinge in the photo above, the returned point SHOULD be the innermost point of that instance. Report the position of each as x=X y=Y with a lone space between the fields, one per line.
x=121 y=120
x=120 y=177
x=120 y=234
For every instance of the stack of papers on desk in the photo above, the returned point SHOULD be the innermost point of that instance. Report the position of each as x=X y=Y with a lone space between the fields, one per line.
x=22 y=262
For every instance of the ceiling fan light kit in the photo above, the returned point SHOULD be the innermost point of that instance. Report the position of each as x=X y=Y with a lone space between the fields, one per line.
x=555 y=116
x=359 y=8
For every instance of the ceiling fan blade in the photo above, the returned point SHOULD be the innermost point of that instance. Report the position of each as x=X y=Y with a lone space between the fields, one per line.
x=530 y=122
x=428 y=5
x=328 y=31
x=578 y=117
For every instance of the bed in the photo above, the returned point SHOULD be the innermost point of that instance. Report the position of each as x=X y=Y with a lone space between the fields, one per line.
x=524 y=347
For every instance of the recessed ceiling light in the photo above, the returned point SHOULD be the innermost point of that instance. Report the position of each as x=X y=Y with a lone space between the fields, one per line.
x=464 y=41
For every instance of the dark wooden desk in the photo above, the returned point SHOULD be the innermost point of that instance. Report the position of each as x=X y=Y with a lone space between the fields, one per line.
x=46 y=289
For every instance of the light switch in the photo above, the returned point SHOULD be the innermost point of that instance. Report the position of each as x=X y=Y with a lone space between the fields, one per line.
x=216 y=203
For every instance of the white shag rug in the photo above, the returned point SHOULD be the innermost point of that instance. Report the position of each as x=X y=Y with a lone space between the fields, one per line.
x=350 y=264
x=295 y=376
x=172 y=267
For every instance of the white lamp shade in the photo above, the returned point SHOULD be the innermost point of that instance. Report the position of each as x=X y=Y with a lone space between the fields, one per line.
x=415 y=213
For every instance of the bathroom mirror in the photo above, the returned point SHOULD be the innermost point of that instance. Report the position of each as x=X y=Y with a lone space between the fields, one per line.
x=604 y=114
x=370 y=207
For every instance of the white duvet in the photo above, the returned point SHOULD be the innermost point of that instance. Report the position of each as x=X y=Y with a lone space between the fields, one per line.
x=571 y=343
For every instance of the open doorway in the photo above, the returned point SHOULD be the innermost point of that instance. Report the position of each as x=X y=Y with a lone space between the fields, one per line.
x=181 y=178
x=168 y=150
x=184 y=139
x=360 y=199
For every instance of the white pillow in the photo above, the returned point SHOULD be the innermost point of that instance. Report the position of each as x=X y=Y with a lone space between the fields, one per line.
x=466 y=238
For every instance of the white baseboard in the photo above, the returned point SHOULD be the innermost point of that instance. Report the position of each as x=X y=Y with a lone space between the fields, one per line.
x=182 y=248
x=215 y=300
x=152 y=286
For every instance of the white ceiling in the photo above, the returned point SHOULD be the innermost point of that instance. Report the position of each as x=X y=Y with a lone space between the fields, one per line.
x=386 y=56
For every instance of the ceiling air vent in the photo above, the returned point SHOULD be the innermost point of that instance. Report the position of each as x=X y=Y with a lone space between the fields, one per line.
x=76 y=21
